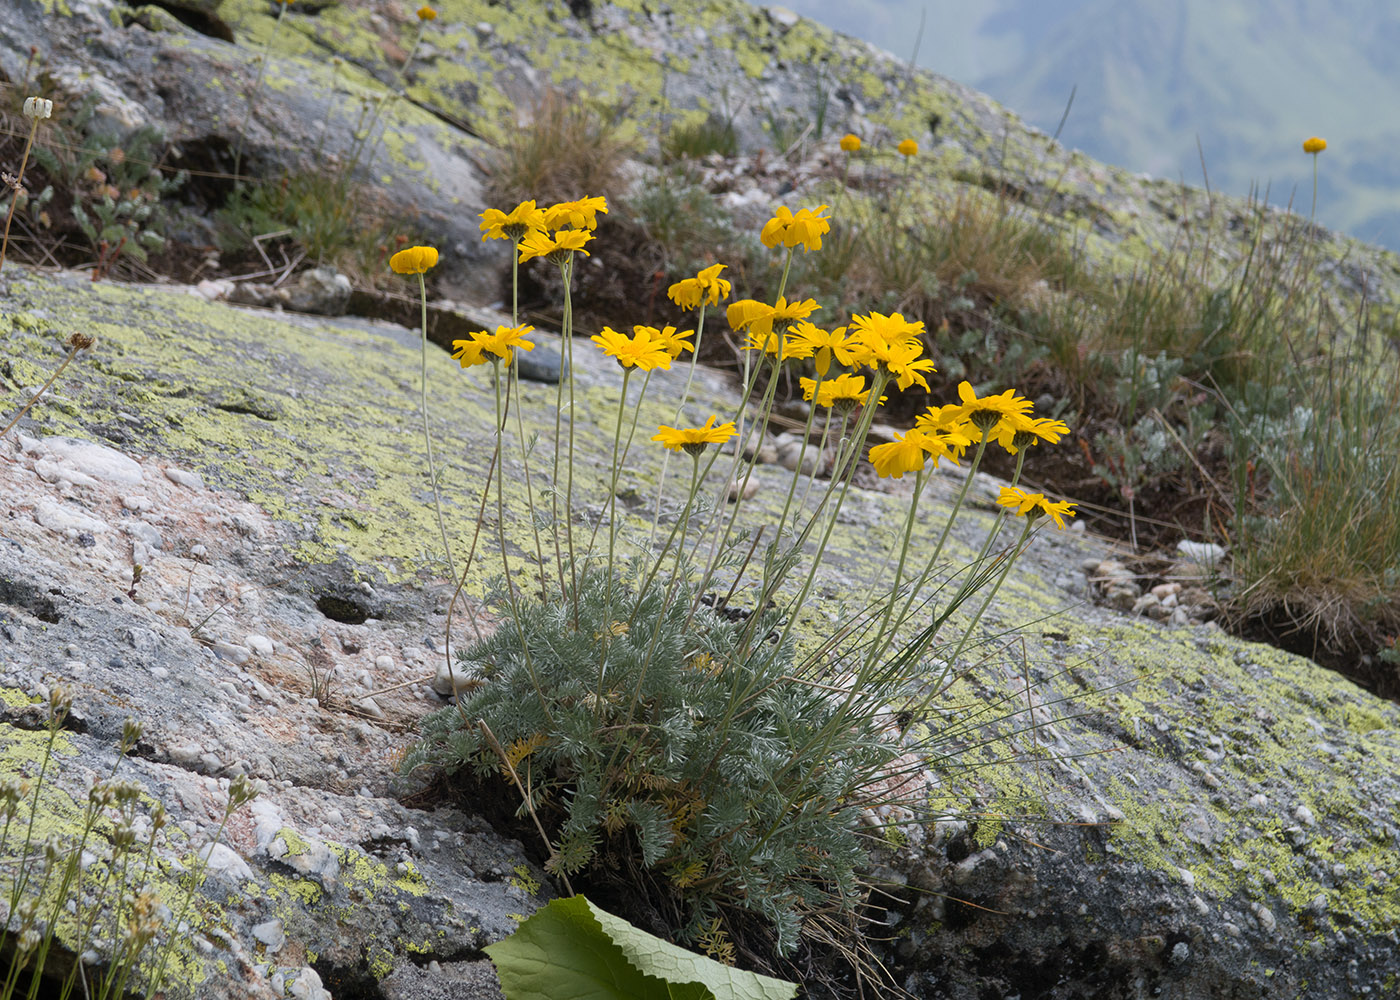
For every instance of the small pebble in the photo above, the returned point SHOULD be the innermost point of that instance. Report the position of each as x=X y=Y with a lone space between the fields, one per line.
x=190 y=480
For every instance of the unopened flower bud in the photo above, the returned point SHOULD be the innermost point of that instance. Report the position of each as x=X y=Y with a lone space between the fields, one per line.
x=37 y=107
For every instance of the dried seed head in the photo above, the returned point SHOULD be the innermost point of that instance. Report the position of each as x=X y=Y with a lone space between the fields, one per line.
x=80 y=341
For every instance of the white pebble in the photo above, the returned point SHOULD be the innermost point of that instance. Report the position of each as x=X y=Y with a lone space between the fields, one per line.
x=181 y=477
x=259 y=644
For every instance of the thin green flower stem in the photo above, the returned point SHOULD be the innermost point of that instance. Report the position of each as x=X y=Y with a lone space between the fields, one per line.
x=427 y=436
x=153 y=984
x=514 y=388
x=72 y=353
x=1011 y=558
x=568 y=348
x=867 y=417
x=661 y=556
x=19 y=181
x=671 y=589
x=821 y=451
x=471 y=554
x=801 y=454
x=71 y=870
x=500 y=494
x=685 y=517
x=740 y=442
x=947 y=527
x=558 y=425
x=919 y=479
x=694 y=358
x=252 y=94
x=17 y=889
x=680 y=407
x=619 y=456
x=787 y=268
x=1312 y=214
x=970 y=581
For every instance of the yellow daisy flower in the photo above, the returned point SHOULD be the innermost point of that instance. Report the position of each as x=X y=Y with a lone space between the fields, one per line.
x=556 y=250
x=694 y=439
x=707 y=287
x=850 y=143
x=1033 y=505
x=523 y=218
x=1314 y=145
x=641 y=350
x=581 y=214
x=825 y=346
x=986 y=413
x=843 y=393
x=804 y=229
x=905 y=454
x=673 y=343
x=908 y=148
x=414 y=260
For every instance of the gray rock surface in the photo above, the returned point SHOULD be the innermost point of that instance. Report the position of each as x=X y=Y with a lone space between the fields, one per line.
x=1123 y=808
x=1133 y=810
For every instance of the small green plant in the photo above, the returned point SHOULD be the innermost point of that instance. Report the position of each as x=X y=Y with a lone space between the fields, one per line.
x=91 y=894
x=709 y=136
x=107 y=190
x=655 y=736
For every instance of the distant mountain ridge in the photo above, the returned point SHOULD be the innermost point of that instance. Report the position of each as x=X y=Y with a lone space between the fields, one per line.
x=1250 y=80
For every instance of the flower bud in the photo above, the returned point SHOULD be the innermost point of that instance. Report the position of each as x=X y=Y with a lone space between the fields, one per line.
x=37 y=107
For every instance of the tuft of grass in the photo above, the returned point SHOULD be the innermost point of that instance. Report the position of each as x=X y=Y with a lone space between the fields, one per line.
x=709 y=136
x=563 y=148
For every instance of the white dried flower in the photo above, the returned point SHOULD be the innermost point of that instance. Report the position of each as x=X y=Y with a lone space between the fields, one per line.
x=37 y=107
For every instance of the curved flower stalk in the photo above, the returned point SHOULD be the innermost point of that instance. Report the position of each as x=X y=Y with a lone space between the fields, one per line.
x=35 y=109
x=418 y=261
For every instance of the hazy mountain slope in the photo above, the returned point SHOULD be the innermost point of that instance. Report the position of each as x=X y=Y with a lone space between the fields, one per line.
x=1251 y=80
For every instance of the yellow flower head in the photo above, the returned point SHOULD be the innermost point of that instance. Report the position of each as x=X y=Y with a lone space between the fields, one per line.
x=843 y=393
x=694 y=439
x=1033 y=505
x=581 y=214
x=987 y=413
x=804 y=229
x=468 y=352
x=498 y=225
x=761 y=319
x=501 y=344
x=671 y=341
x=556 y=250
x=786 y=313
x=414 y=260
x=947 y=424
x=746 y=312
x=824 y=346
x=707 y=287
x=1314 y=145
x=879 y=330
x=771 y=343
x=905 y=454
x=850 y=143
x=426 y=13
x=908 y=148
x=641 y=350
x=1020 y=431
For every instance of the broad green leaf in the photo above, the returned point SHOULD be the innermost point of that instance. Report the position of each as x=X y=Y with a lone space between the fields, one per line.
x=572 y=950
x=562 y=953
x=677 y=965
